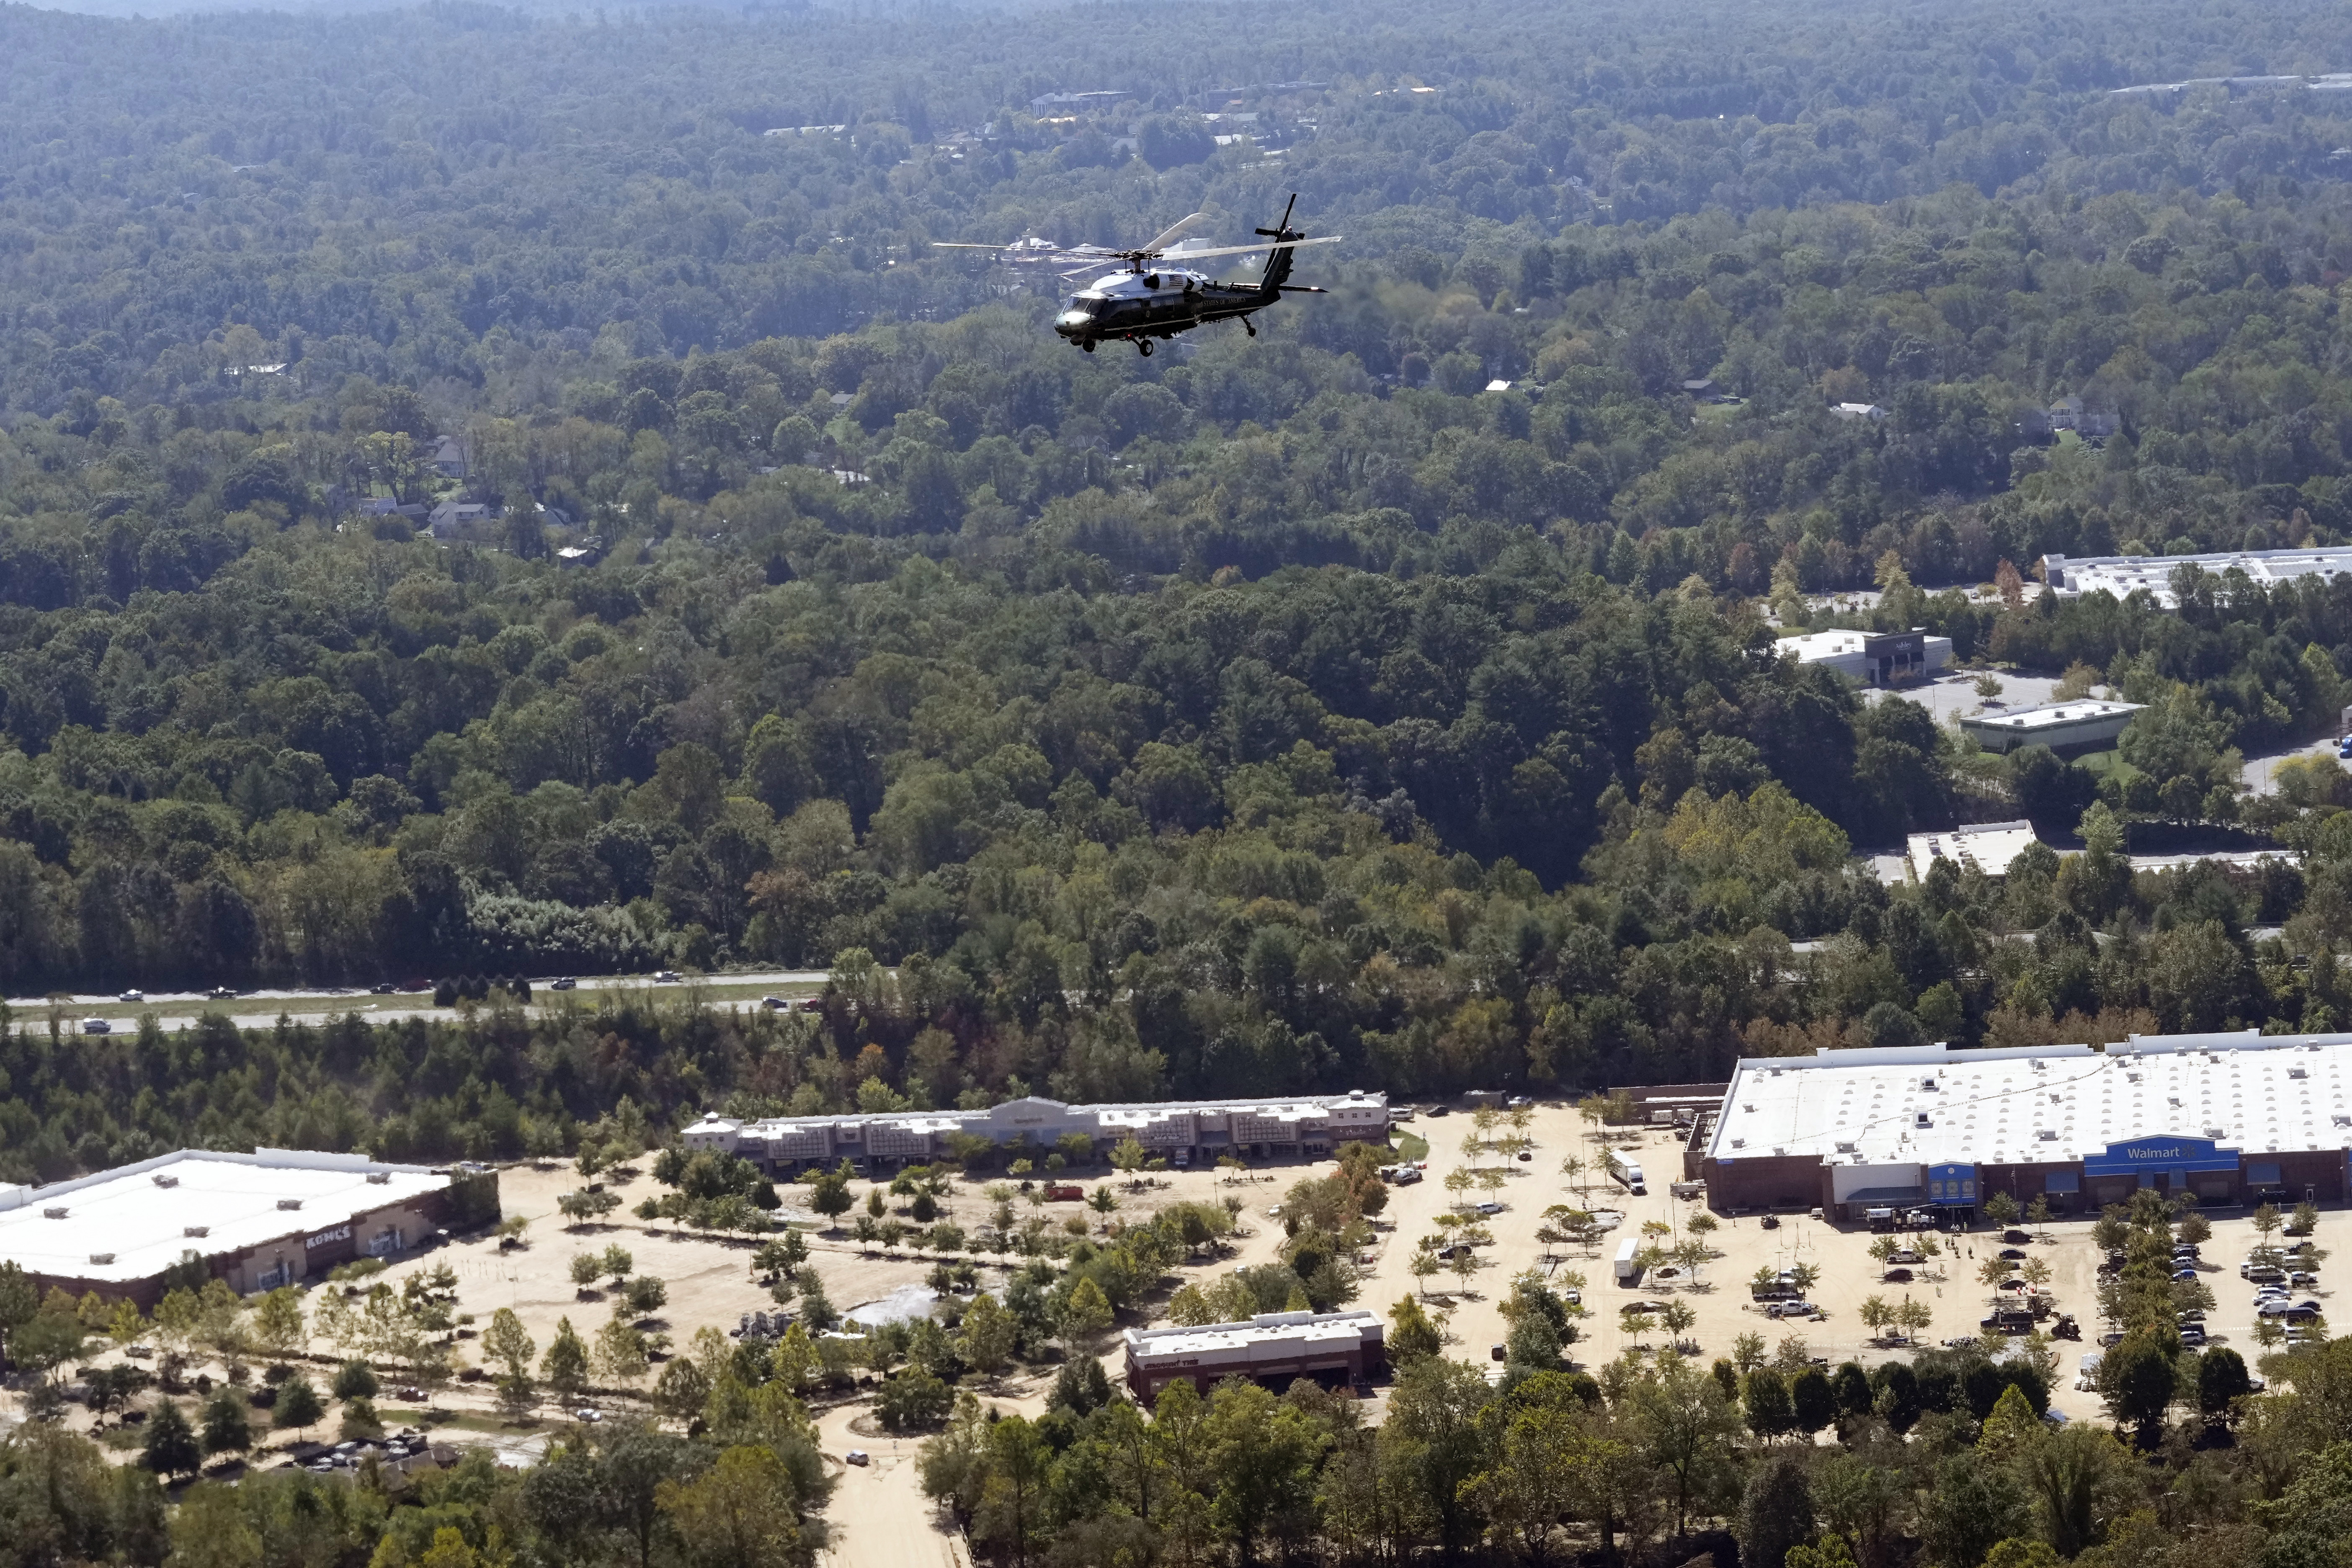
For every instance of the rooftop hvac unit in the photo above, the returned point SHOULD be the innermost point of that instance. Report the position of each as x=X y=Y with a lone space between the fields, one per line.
x=101 y=1258
x=379 y=1178
x=2048 y=1135
x=53 y=1214
x=1928 y=1084
x=164 y=1180
x=198 y=1230
x=1845 y=1148
x=1921 y=1120
x=2216 y=1133
x=289 y=1203
x=2298 y=1072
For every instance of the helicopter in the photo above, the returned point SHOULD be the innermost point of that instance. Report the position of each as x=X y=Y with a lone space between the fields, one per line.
x=1144 y=301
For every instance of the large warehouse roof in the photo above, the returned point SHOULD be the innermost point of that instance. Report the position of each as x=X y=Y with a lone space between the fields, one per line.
x=142 y=1217
x=1932 y=1105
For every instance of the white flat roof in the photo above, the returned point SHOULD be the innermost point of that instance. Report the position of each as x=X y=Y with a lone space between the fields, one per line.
x=2051 y=715
x=2123 y=575
x=233 y=1198
x=1988 y=847
x=1300 y=1328
x=2258 y=1093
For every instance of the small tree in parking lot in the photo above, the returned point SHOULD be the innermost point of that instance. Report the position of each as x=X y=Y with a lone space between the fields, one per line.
x=1804 y=1276
x=1748 y=1351
x=2037 y=1214
x=1912 y=1316
x=1678 y=1316
x=2002 y=1209
x=1875 y=1315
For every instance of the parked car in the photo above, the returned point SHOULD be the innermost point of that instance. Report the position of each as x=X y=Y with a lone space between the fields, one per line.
x=1904 y=1255
x=2260 y=1273
x=1790 y=1309
x=2013 y=1254
x=1494 y=1353
x=1490 y=1208
x=2192 y=1334
x=2302 y=1280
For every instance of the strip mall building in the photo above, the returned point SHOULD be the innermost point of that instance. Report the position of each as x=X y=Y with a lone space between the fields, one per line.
x=1299 y=1126
x=2232 y=1118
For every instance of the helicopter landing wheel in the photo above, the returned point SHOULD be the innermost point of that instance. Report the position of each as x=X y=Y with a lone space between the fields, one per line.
x=1088 y=346
x=1143 y=347
x=1249 y=329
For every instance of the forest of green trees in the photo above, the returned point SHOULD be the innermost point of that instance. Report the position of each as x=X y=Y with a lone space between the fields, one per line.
x=1272 y=713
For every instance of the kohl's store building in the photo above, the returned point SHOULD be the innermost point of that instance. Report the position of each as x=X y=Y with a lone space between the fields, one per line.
x=2235 y=1119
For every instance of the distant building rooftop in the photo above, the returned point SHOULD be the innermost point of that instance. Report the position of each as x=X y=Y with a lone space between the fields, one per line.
x=2124 y=575
x=1990 y=847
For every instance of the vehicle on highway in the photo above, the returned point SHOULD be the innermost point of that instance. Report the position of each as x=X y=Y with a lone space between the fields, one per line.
x=564 y=982
x=387 y=989
x=96 y=1027
x=221 y=993
x=133 y=996
x=774 y=1004
x=667 y=977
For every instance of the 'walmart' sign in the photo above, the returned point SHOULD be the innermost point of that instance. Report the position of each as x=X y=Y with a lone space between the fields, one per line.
x=2134 y=1156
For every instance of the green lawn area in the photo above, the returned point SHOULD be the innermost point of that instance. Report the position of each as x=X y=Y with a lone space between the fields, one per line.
x=1411 y=1146
x=2108 y=764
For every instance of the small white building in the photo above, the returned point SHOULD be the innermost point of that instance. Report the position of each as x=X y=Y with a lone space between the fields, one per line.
x=1990 y=847
x=1870 y=411
x=2080 y=725
x=1874 y=659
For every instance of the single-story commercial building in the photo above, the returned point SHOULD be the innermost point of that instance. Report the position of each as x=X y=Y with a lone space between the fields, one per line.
x=2233 y=1118
x=258 y=1220
x=1873 y=659
x=1271 y=1347
x=2078 y=726
x=1990 y=847
x=1298 y=1127
x=2124 y=575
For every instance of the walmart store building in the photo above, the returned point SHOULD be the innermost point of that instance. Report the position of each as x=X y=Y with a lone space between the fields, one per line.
x=2233 y=1118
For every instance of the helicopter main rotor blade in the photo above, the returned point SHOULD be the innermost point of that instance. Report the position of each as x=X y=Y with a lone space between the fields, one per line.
x=959 y=245
x=1249 y=249
x=1175 y=232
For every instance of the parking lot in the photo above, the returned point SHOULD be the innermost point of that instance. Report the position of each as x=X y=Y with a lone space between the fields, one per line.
x=1846 y=1274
